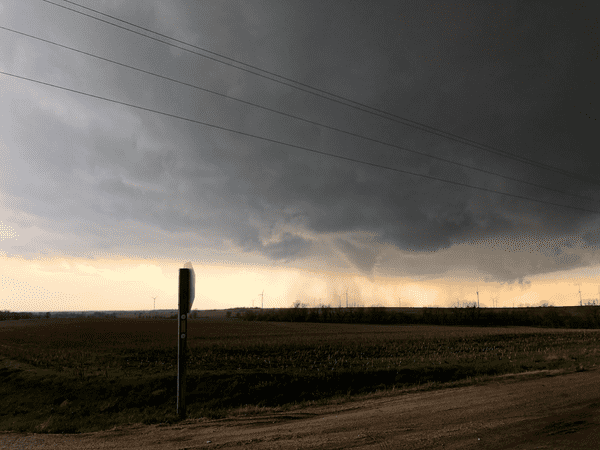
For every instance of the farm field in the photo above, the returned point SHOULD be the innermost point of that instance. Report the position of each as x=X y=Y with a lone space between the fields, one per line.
x=90 y=374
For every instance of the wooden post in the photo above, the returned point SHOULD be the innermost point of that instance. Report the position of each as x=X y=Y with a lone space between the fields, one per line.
x=184 y=282
x=187 y=281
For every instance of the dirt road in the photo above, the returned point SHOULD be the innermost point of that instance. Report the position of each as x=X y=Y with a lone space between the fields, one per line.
x=527 y=412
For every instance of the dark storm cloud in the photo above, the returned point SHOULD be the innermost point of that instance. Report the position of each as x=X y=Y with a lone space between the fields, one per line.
x=498 y=78
x=513 y=76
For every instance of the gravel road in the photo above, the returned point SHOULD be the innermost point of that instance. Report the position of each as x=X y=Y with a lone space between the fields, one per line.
x=546 y=410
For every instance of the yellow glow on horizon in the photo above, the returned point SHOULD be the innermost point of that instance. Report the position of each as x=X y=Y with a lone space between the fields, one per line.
x=76 y=284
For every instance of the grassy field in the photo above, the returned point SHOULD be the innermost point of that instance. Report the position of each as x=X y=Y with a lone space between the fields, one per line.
x=76 y=375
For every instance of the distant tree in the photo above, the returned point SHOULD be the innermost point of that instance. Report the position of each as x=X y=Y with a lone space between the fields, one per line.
x=47 y=315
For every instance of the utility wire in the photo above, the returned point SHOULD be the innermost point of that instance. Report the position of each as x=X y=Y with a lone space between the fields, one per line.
x=300 y=118
x=370 y=109
x=296 y=146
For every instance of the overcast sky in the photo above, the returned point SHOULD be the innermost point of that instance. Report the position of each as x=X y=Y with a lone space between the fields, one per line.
x=101 y=203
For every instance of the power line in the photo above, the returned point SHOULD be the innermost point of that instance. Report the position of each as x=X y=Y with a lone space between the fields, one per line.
x=299 y=118
x=296 y=146
x=370 y=110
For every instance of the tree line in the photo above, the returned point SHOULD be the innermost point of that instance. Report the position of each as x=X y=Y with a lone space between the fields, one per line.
x=550 y=317
x=10 y=315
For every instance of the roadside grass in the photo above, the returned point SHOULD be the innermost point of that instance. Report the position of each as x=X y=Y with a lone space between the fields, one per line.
x=98 y=377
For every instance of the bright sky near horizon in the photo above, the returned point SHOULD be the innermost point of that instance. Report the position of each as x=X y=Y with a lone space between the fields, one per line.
x=102 y=203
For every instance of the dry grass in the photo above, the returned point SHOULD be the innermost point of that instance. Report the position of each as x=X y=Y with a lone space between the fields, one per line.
x=61 y=375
